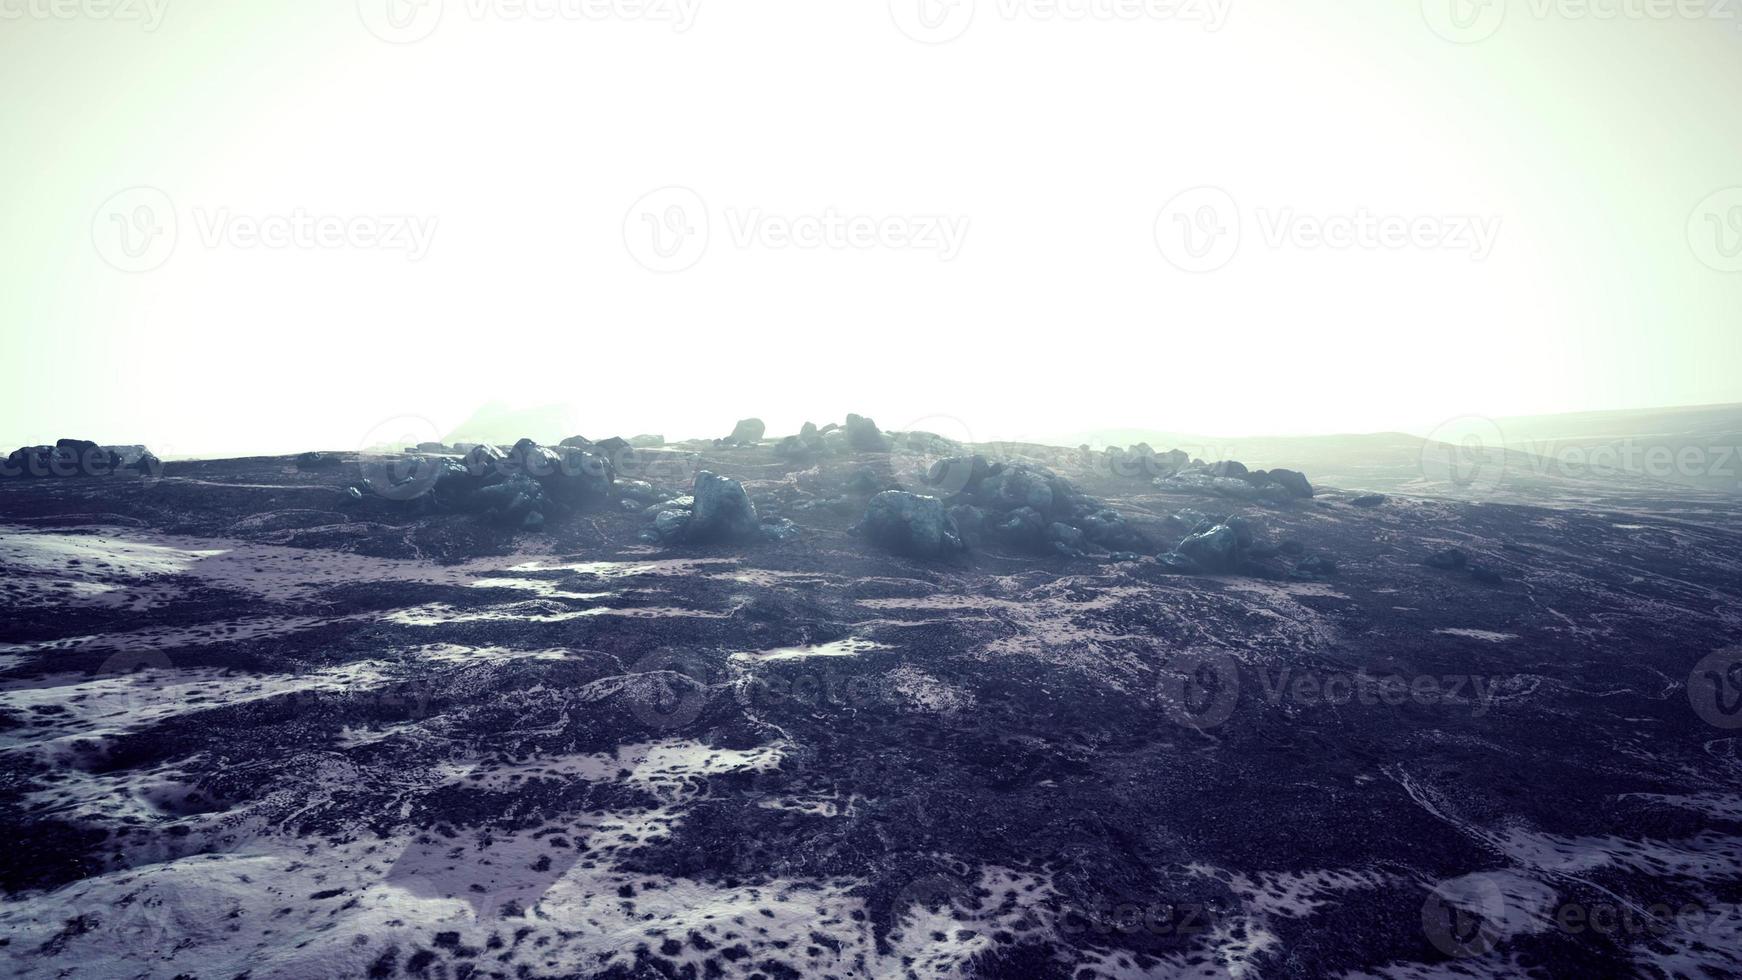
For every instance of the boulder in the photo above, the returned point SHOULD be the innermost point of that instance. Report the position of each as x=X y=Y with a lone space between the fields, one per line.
x=647 y=441
x=1215 y=550
x=864 y=436
x=671 y=525
x=748 y=432
x=1023 y=527
x=1066 y=540
x=780 y=530
x=534 y=460
x=146 y=465
x=1023 y=487
x=910 y=524
x=1370 y=500
x=614 y=446
x=316 y=461
x=576 y=442
x=1110 y=530
x=518 y=501
x=1292 y=481
x=958 y=474
x=483 y=460
x=723 y=511
x=581 y=477
x=1487 y=576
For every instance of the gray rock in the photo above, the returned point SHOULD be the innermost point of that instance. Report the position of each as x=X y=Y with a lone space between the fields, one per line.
x=1370 y=500
x=1216 y=550
x=864 y=436
x=1294 y=482
x=748 y=432
x=723 y=511
x=1023 y=487
x=647 y=441
x=781 y=530
x=670 y=525
x=910 y=524
x=1023 y=527
x=958 y=474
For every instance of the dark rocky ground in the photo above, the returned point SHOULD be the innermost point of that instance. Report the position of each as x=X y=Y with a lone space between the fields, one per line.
x=251 y=726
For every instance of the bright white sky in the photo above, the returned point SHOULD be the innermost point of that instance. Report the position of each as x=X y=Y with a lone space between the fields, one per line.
x=532 y=145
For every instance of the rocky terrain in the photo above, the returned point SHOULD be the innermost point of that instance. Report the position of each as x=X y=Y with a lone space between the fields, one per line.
x=851 y=703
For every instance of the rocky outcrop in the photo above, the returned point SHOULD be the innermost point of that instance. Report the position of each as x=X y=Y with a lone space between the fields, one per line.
x=66 y=458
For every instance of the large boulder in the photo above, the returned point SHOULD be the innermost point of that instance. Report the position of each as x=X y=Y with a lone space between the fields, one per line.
x=910 y=524
x=723 y=511
x=1023 y=487
x=581 y=476
x=1215 y=550
x=864 y=436
x=748 y=432
x=1292 y=481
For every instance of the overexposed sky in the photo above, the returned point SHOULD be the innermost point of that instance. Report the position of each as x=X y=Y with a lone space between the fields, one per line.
x=276 y=225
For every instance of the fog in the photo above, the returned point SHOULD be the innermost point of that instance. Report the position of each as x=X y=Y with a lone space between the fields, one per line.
x=267 y=227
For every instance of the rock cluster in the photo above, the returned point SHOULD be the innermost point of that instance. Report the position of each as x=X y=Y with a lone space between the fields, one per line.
x=78 y=457
x=518 y=488
x=911 y=524
x=1019 y=505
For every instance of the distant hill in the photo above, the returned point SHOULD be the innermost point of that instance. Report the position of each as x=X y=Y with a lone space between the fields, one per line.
x=1587 y=456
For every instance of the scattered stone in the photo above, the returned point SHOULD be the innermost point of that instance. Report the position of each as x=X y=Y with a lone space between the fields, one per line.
x=315 y=461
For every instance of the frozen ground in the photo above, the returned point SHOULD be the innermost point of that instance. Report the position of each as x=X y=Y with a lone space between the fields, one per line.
x=248 y=729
